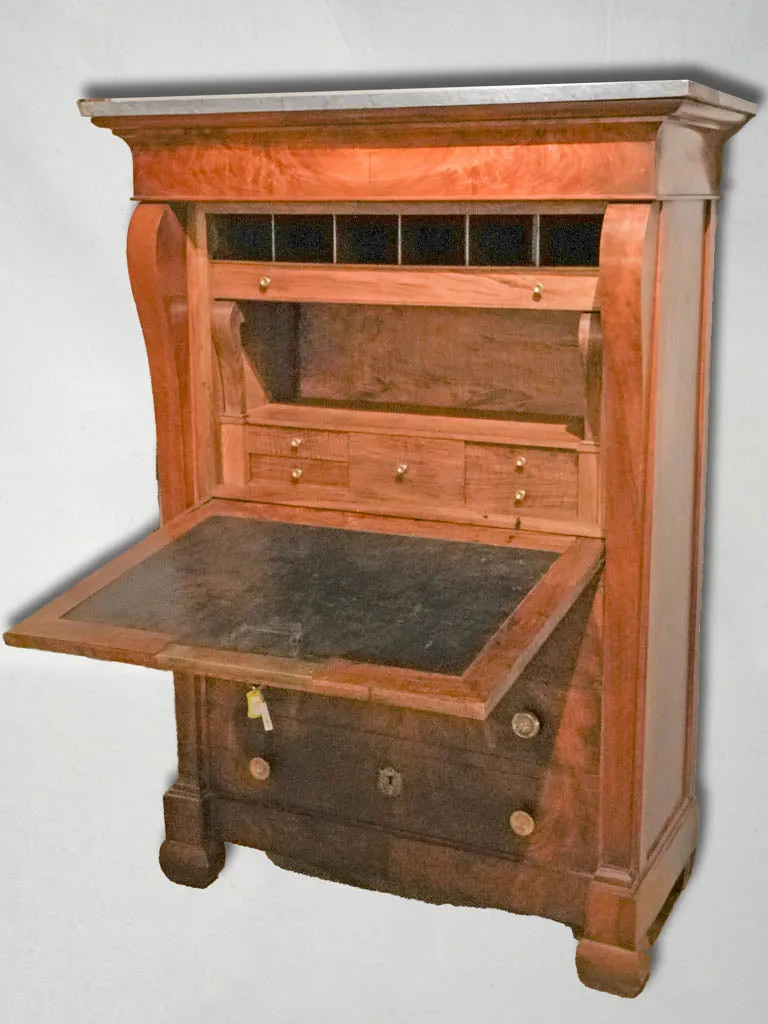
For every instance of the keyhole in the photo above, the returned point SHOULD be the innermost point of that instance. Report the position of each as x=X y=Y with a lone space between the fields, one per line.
x=390 y=782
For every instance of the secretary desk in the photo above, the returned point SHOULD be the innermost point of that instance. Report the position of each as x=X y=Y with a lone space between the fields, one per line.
x=430 y=383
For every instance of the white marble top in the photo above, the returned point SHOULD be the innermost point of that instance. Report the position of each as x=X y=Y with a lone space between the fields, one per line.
x=383 y=99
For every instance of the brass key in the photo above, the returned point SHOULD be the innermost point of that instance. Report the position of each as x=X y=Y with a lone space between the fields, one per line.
x=257 y=707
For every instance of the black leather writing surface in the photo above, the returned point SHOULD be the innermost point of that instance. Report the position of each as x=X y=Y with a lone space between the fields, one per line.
x=319 y=593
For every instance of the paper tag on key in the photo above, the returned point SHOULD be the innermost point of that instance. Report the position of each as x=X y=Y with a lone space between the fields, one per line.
x=257 y=707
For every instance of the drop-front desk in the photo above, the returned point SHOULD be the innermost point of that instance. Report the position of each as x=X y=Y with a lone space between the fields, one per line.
x=430 y=382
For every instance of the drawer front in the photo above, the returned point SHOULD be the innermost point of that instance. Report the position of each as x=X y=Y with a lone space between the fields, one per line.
x=534 y=481
x=297 y=479
x=293 y=442
x=406 y=471
x=455 y=796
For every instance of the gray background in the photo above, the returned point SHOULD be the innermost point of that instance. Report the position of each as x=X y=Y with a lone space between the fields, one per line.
x=90 y=929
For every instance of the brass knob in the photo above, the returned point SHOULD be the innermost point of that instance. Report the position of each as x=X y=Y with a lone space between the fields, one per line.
x=521 y=462
x=519 y=497
x=538 y=292
x=525 y=725
x=259 y=768
x=295 y=444
x=264 y=283
x=401 y=470
x=521 y=823
x=296 y=475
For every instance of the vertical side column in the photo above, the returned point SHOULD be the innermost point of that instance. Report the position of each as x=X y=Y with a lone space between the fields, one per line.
x=192 y=853
x=614 y=954
x=157 y=267
x=627 y=285
x=202 y=363
x=158 y=249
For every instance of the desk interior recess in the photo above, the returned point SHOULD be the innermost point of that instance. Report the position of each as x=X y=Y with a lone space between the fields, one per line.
x=437 y=361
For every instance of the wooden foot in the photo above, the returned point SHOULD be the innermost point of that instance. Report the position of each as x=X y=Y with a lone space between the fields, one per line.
x=187 y=864
x=621 y=972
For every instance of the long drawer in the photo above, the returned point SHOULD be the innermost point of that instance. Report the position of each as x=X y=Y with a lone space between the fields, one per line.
x=452 y=794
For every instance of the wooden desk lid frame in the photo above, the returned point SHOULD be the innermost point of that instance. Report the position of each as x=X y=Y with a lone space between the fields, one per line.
x=473 y=694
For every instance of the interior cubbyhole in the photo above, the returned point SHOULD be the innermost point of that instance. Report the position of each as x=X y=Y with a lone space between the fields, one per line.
x=570 y=240
x=367 y=238
x=501 y=240
x=304 y=238
x=404 y=239
x=433 y=240
x=240 y=236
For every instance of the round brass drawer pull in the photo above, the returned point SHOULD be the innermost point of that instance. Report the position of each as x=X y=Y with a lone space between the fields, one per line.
x=389 y=782
x=296 y=475
x=521 y=823
x=519 y=497
x=525 y=725
x=401 y=470
x=521 y=462
x=264 y=283
x=295 y=444
x=538 y=292
x=259 y=768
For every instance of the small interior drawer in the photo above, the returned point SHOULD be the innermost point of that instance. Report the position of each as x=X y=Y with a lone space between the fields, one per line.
x=296 y=442
x=297 y=479
x=506 y=479
x=406 y=471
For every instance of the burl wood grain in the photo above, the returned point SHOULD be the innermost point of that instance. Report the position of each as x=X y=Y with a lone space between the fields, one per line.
x=488 y=360
x=527 y=164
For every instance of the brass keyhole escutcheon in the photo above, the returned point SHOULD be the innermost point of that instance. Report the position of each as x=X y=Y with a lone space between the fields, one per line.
x=389 y=782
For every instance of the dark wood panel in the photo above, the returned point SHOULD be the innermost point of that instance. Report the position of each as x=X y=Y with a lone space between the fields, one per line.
x=406 y=865
x=462 y=798
x=270 y=344
x=483 y=360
